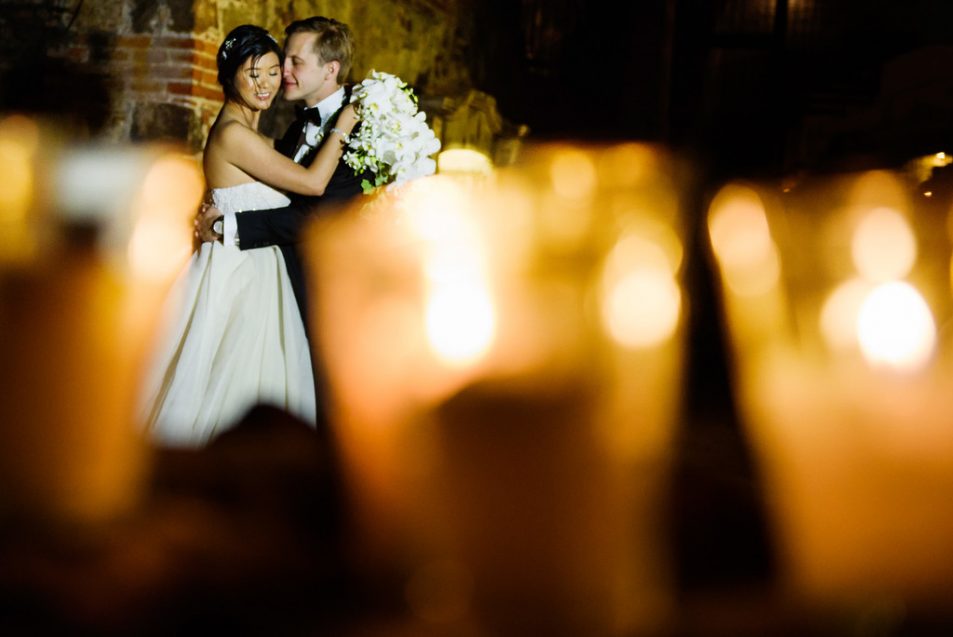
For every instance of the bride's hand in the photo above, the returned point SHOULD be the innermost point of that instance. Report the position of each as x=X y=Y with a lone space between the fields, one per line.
x=203 y=223
x=201 y=212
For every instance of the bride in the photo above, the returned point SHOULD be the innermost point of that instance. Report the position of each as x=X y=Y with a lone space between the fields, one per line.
x=237 y=338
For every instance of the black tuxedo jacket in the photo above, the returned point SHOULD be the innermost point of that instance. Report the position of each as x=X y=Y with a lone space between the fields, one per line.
x=282 y=226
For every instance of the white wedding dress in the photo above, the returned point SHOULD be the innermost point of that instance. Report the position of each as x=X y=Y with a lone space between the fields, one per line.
x=236 y=338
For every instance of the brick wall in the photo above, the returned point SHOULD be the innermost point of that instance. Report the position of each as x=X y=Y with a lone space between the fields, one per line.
x=166 y=86
x=141 y=70
x=145 y=69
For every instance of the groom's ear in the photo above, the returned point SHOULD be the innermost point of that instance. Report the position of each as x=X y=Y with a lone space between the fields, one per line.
x=335 y=68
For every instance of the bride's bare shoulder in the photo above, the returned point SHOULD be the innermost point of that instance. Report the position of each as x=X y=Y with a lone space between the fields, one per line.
x=227 y=129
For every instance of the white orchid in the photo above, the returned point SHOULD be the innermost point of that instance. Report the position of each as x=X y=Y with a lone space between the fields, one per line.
x=393 y=142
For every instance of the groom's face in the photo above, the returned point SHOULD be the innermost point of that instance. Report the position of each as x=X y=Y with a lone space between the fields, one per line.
x=304 y=76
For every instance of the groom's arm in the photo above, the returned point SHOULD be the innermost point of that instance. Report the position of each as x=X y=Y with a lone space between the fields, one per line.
x=278 y=226
x=282 y=226
x=254 y=228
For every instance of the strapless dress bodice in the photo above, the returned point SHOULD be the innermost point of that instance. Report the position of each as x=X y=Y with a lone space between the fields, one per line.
x=253 y=195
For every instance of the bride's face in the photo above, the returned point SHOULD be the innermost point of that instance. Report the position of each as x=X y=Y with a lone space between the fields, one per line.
x=258 y=80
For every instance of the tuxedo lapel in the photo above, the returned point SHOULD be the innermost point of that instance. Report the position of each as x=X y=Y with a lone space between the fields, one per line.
x=288 y=144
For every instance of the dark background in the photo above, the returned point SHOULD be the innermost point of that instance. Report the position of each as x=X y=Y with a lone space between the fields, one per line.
x=745 y=87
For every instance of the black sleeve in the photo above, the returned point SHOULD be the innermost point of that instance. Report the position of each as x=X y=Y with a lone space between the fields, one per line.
x=278 y=226
x=289 y=141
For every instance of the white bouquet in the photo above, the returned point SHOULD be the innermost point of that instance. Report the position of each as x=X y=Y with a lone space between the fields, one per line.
x=393 y=140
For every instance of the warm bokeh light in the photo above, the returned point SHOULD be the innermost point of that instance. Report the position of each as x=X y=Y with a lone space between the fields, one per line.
x=878 y=189
x=641 y=301
x=458 y=310
x=85 y=315
x=883 y=245
x=435 y=211
x=563 y=224
x=161 y=238
x=17 y=152
x=741 y=239
x=842 y=378
x=460 y=322
x=629 y=165
x=634 y=251
x=19 y=138
x=464 y=160
x=492 y=342
x=16 y=164
x=573 y=174
x=840 y=311
x=23 y=130
x=642 y=308
x=755 y=279
x=895 y=327
x=649 y=240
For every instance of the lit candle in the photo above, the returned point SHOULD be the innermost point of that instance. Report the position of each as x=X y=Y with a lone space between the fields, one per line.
x=504 y=357
x=79 y=299
x=846 y=393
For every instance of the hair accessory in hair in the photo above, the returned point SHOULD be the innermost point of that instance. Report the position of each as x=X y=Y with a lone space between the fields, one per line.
x=229 y=43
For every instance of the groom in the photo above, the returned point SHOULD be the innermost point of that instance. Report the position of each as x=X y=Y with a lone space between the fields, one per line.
x=318 y=53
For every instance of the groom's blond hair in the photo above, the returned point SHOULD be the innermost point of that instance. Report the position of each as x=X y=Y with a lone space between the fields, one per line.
x=333 y=44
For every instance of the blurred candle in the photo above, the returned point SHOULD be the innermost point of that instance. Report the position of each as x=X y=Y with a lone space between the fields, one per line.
x=846 y=396
x=504 y=357
x=79 y=308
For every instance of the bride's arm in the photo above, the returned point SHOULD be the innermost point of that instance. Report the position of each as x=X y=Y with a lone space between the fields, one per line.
x=254 y=155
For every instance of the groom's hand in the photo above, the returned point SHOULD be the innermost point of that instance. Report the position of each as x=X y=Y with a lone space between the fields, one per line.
x=204 y=220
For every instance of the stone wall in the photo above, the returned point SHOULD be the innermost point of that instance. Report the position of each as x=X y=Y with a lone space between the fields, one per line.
x=145 y=69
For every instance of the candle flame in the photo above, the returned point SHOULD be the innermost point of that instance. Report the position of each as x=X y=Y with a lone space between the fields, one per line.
x=895 y=327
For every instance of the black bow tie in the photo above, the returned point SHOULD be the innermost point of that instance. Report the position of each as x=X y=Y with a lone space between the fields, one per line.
x=312 y=115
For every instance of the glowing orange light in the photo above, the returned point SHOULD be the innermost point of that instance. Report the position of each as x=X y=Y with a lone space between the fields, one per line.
x=161 y=238
x=741 y=239
x=463 y=160
x=460 y=322
x=573 y=174
x=840 y=311
x=642 y=308
x=883 y=246
x=895 y=327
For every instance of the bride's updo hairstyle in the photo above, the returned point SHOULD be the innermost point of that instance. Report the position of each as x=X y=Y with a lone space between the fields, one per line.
x=246 y=41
